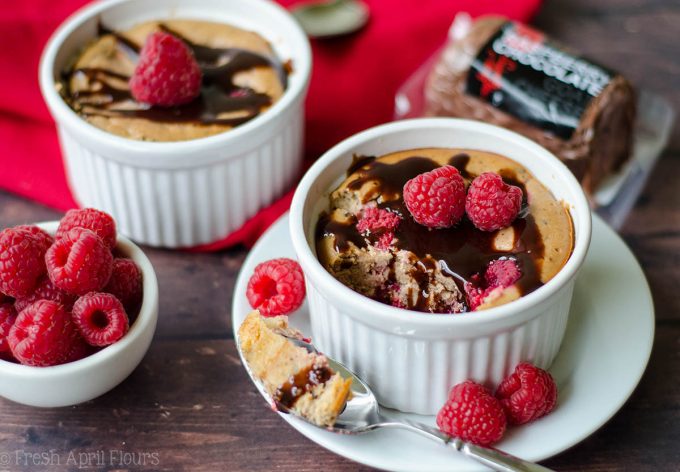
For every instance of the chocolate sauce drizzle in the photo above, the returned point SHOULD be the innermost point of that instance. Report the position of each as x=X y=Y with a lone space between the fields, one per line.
x=219 y=94
x=461 y=251
x=299 y=384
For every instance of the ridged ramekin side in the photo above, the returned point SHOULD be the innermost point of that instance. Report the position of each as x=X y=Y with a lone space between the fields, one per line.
x=187 y=206
x=414 y=374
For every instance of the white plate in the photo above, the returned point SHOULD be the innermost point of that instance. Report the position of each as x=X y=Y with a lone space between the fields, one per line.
x=604 y=353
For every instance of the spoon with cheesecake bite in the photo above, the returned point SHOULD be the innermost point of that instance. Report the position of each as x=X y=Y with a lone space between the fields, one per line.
x=295 y=378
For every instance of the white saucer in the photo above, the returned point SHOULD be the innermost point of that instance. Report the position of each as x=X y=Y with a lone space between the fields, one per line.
x=604 y=353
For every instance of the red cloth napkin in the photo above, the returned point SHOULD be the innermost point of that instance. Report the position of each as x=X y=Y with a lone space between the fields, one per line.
x=353 y=85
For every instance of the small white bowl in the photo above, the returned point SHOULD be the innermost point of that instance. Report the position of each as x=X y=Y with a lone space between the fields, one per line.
x=185 y=193
x=88 y=378
x=411 y=360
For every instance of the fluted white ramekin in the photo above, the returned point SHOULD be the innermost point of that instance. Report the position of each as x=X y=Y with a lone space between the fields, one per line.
x=411 y=359
x=178 y=194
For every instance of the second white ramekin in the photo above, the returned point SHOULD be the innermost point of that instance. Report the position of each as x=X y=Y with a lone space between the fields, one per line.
x=411 y=359
x=94 y=375
x=186 y=193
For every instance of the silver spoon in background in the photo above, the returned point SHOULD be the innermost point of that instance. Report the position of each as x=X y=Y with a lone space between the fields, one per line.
x=362 y=415
x=330 y=18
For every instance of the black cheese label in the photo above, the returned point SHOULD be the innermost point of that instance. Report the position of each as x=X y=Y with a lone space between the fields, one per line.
x=528 y=76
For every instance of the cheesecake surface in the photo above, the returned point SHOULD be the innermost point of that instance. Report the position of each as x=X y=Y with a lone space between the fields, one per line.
x=242 y=78
x=425 y=269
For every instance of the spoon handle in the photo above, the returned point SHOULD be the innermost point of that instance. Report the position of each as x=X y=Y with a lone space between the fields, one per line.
x=493 y=458
x=496 y=459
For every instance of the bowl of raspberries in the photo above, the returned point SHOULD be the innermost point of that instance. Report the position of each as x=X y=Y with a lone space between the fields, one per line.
x=78 y=309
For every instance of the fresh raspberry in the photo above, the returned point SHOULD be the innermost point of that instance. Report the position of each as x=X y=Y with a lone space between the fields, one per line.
x=22 y=262
x=45 y=290
x=502 y=272
x=499 y=274
x=101 y=318
x=375 y=219
x=79 y=349
x=473 y=414
x=475 y=295
x=527 y=394
x=380 y=223
x=40 y=234
x=491 y=203
x=98 y=222
x=385 y=240
x=277 y=287
x=42 y=334
x=79 y=262
x=167 y=73
x=436 y=199
x=125 y=283
x=8 y=316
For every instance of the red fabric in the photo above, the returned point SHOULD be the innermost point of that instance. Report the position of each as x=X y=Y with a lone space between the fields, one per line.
x=352 y=88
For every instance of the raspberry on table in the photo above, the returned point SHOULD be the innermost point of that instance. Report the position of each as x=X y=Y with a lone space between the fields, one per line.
x=125 y=283
x=167 y=73
x=527 y=394
x=45 y=290
x=40 y=234
x=436 y=199
x=22 y=262
x=8 y=316
x=277 y=287
x=492 y=204
x=100 y=318
x=473 y=414
x=99 y=222
x=42 y=334
x=79 y=262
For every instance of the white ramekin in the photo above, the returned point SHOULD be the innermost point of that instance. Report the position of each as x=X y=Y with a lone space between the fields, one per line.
x=88 y=378
x=185 y=193
x=410 y=359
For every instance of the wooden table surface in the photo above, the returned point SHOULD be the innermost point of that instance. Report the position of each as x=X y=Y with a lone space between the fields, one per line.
x=190 y=405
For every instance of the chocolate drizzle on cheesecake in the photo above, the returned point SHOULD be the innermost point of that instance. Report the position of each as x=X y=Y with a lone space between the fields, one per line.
x=461 y=251
x=221 y=101
x=300 y=383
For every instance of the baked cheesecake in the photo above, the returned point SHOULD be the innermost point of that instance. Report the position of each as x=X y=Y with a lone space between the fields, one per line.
x=296 y=379
x=438 y=270
x=242 y=78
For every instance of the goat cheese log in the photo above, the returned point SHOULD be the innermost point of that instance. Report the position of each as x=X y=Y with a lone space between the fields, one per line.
x=511 y=75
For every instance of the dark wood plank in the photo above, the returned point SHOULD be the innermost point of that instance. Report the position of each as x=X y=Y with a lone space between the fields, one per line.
x=189 y=406
x=635 y=37
x=653 y=233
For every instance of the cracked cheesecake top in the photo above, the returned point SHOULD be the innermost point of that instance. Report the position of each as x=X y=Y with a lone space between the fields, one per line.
x=400 y=262
x=242 y=77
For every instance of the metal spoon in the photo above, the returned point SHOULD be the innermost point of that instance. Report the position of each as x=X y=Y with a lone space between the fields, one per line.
x=362 y=414
x=330 y=18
